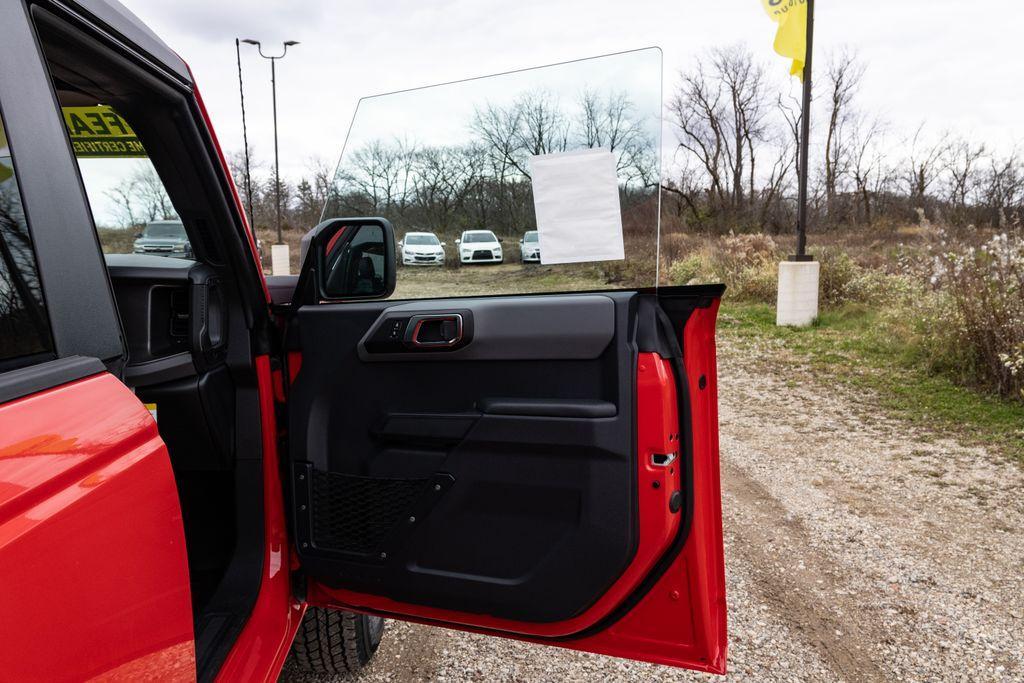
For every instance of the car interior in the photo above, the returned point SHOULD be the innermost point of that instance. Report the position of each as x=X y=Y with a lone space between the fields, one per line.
x=186 y=326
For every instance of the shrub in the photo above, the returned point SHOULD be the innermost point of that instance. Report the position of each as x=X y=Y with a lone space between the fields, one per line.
x=748 y=248
x=748 y=265
x=686 y=270
x=842 y=281
x=755 y=282
x=983 y=324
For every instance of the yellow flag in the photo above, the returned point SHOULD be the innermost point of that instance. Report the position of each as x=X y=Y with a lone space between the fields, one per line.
x=6 y=171
x=791 y=38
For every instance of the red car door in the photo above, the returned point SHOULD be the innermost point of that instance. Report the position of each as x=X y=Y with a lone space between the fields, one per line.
x=546 y=469
x=91 y=537
x=92 y=549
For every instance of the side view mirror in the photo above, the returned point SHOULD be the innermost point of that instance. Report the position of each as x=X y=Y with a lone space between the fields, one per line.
x=501 y=239
x=444 y=244
x=401 y=244
x=347 y=259
x=457 y=242
x=138 y=235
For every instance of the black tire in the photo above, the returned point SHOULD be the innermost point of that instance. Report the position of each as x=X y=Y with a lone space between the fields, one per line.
x=335 y=642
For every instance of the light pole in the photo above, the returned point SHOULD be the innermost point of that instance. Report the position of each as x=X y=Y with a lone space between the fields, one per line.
x=273 y=89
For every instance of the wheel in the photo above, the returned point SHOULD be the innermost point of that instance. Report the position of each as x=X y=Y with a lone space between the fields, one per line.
x=335 y=642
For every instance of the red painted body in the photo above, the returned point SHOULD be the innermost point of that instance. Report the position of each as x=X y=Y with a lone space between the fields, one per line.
x=89 y=512
x=261 y=649
x=681 y=622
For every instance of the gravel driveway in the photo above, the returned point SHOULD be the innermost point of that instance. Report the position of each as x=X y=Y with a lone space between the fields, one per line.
x=858 y=548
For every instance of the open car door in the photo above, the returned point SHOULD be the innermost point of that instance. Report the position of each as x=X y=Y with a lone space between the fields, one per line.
x=538 y=466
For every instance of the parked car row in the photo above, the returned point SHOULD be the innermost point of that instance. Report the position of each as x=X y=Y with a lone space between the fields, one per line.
x=474 y=246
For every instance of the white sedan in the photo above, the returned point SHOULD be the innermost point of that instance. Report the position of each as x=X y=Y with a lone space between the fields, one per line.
x=479 y=246
x=421 y=249
x=529 y=247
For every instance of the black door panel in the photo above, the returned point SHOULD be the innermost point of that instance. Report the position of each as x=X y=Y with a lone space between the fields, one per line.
x=496 y=479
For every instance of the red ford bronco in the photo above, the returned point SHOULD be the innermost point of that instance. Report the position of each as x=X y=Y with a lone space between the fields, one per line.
x=316 y=457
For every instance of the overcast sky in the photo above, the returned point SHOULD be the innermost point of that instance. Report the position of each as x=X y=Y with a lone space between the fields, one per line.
x=953 y=64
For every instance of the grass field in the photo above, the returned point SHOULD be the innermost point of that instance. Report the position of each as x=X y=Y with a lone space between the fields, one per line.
x=862 y=347
x=505 y=278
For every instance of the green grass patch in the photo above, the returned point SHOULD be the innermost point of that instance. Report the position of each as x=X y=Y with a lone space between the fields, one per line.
x=864 y=347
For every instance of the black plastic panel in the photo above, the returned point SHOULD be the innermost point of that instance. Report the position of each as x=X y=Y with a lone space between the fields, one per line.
x=548 y=407
x=536 y=437
x=15 y=384
x=175 y=315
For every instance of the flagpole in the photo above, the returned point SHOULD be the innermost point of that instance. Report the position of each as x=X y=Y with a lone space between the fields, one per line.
x=800 y=274
x=805 y=133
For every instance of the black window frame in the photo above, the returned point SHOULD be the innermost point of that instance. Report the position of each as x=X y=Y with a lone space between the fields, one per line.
x=79 y=300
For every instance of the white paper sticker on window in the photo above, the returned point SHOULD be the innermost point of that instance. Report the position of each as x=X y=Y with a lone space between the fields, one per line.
x=576 y=199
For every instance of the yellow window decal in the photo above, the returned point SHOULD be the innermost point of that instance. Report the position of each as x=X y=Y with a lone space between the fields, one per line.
x=99 y=131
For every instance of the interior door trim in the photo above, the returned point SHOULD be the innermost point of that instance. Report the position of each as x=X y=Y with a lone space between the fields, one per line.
x=578 y=327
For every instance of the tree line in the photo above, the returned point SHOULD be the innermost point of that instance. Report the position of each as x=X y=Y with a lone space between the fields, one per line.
x=483 y=183
x=735 y=167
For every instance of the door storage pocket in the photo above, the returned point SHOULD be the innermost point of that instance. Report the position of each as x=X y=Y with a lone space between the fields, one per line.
x=355 y=514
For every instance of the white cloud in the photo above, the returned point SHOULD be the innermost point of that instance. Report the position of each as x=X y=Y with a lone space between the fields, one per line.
x=952 y=64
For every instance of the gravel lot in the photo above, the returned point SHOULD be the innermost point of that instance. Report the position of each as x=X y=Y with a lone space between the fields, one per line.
x=858 y=548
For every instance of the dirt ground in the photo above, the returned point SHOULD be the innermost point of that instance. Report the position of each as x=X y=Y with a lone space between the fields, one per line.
x=857 y=549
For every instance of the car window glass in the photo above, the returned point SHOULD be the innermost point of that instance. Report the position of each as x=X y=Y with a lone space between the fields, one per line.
x=24 y=324
x=131 y=208
x=421 y=240
x=462 y=161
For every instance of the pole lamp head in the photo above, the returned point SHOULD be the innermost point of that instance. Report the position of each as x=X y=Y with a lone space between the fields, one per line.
x=250 y=41
x=289 y=43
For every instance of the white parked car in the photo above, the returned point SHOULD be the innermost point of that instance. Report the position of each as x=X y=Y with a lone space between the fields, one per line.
x=479 y=246
x=529 y=247
x=421 y=249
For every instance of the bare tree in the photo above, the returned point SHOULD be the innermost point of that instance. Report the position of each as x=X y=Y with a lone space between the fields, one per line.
x=697 y=112
x=612 y=122
x=1004 y=188
x=544 y=128
x=719 y=114
x=744 y=80
x=922 y=167
x=140 y=198
x=962 y=160
x=442 y=178
x=843 y=75
x=312 y=193
x=867 y=163
x=381 y=172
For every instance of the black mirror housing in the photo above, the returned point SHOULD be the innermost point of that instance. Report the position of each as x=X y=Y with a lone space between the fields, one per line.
x=347 y=259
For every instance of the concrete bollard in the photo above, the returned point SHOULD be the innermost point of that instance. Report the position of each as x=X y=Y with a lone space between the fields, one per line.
x=280 y=264
x=798 y=293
